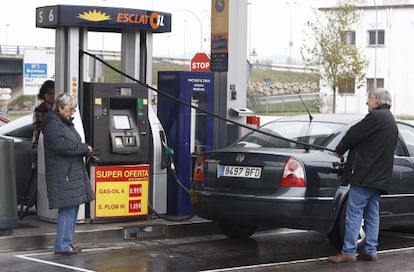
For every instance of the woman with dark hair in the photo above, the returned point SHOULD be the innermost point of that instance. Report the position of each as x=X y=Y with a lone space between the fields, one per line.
x=47 y=96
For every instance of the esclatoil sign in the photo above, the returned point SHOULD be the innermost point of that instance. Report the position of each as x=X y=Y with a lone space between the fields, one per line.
x=108 y=18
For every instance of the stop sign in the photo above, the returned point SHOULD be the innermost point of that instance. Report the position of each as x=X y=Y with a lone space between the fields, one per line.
x=200 y=63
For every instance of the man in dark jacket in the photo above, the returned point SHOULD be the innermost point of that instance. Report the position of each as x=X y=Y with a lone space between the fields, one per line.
x=371 y=143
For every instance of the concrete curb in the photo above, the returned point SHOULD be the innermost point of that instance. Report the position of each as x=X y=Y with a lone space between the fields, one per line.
x=37 y=234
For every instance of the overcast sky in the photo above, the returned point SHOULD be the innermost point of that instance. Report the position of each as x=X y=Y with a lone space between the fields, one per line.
x=272 y=22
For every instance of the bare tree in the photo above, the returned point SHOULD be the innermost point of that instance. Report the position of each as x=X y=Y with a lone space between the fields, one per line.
x=330 y=42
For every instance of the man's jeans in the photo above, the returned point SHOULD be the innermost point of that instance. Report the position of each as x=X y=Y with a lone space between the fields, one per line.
x=65 y=228
x=362 y=202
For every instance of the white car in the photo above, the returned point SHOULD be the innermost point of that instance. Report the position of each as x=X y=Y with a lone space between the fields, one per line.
x=21 y=130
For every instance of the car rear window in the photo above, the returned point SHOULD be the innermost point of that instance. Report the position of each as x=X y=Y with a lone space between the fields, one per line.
x=315 y=133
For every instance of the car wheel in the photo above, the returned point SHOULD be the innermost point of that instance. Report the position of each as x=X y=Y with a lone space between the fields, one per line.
x=336 y=236
x=236 y=230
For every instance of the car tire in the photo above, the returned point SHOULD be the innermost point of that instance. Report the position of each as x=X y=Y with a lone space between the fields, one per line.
x=236 y=230
x=336 y=236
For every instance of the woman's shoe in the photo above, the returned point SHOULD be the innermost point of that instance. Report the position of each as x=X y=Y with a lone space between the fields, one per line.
x=69 y=252
x=77 y=248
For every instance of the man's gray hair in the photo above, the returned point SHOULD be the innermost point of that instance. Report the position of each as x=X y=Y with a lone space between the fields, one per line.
x=383 y=95
x=63 y=100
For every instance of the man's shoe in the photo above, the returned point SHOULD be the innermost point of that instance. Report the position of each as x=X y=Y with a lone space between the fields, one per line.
x=367 y=257
x=341 y=258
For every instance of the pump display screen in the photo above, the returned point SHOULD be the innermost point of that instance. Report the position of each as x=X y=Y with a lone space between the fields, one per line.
x=123 y=91
x=121 y=122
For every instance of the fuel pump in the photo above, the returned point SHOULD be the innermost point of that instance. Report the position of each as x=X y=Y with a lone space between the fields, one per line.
x=115 y=118
x=127 y=170
x=189 y=131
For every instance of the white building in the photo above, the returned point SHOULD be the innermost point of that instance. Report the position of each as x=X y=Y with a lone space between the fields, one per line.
x=390 y=56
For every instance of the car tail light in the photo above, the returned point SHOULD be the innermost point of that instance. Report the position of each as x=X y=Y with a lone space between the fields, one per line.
x=199 y=169
x=293 y=174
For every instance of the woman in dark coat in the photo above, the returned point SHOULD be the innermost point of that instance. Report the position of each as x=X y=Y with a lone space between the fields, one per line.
x=67 y=180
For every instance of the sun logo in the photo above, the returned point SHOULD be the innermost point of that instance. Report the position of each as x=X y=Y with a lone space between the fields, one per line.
x=94 y=16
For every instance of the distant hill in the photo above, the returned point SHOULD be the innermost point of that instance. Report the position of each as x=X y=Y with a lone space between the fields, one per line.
x=263 y=82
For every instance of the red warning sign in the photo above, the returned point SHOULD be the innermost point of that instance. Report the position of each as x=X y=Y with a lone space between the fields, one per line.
x=200 y=63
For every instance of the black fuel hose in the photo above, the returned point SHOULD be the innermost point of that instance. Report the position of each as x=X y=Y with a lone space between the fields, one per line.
x=172 y=166
x=182 y=186
x=200 y=109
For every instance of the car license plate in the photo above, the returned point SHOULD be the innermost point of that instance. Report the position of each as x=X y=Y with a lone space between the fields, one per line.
x=239 y=171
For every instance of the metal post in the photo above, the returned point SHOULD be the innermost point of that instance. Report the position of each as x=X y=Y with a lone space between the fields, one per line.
x=249 y=4
x=290 y=32
x=376 y=44
x=185 y=21
x=201 y=27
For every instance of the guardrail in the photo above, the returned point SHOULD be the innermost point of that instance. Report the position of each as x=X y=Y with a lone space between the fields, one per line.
x=18 y=50
x=284 y=98
x=287 y=68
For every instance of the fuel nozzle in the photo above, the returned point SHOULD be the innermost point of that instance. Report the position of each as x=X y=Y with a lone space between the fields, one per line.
x=168 y=150
x=339 y=166
x=94 y=157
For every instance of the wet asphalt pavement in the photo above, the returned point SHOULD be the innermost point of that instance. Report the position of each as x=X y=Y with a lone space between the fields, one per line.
x=277 y=250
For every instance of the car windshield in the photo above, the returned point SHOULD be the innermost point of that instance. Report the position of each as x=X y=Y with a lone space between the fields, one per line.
x=315 y=133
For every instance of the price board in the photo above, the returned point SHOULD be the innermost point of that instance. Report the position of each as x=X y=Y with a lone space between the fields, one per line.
x=121 y=190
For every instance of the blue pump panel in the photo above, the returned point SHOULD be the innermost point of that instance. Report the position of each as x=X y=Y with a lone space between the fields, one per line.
x=189 y=131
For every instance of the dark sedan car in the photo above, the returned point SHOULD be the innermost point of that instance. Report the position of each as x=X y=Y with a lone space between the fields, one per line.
x=263 y=180
x=21 y=130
